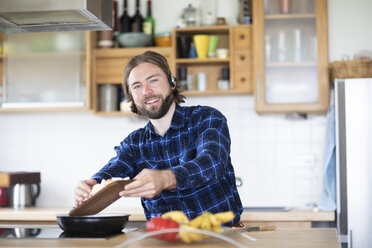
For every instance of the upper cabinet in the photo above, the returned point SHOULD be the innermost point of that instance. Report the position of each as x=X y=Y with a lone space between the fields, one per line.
x=45 y=71
x=228 y=72
x=291 y=56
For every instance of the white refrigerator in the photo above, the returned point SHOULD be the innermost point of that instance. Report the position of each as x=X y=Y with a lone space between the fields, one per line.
x=353 y=107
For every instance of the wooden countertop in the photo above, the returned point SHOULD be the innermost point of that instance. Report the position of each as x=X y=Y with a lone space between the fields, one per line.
x=302 y=238
x=48 y=214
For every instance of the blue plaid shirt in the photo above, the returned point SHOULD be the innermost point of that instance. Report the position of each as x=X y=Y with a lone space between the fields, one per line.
x=196 y=147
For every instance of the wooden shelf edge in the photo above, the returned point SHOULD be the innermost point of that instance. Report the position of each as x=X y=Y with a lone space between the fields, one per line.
x=109 y=82
x=291 y=16
x=216 y=92
x=113 y=113
x=202 y=61
x=46 y=109
x=280 y=108
x=291 y=64
x=203 y=28
x=128 y=52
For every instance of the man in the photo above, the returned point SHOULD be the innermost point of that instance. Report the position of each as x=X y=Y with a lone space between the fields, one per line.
x=181 y=159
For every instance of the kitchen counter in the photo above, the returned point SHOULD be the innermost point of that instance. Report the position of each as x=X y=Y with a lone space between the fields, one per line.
x=282 y=219
x=301 y=238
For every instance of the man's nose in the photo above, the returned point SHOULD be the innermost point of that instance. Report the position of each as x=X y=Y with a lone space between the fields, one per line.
x=146 y=89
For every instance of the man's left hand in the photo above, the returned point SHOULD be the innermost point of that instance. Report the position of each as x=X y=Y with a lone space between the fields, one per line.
x=149 y=183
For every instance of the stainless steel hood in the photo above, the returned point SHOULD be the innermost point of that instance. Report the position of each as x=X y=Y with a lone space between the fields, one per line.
x=20 y=16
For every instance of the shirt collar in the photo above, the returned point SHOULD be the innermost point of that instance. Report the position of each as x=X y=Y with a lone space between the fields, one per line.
x=176 y=123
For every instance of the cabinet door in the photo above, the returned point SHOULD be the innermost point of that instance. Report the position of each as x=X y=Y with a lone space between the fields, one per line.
x=291 y=56
x=45 y=70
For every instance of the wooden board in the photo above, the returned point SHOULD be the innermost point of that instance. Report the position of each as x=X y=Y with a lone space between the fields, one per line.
x=102 y=199
x=8 y=179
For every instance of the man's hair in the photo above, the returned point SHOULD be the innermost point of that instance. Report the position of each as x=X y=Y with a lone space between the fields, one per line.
x=155 y=59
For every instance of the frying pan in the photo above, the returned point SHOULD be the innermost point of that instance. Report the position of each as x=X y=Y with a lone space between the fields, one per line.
x=100 y=224
x=84 y=218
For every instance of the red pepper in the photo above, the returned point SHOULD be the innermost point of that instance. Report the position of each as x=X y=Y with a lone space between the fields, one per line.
x=158 y=223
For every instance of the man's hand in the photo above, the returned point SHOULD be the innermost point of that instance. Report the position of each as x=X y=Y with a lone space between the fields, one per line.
x=149 y=183
x=83 y=190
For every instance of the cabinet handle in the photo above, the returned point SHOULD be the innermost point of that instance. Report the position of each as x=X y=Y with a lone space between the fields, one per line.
x=242 y=79
x=242 y=36
x=242 y=57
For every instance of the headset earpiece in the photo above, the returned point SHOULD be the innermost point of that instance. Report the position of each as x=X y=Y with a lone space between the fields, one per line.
x=173 y=81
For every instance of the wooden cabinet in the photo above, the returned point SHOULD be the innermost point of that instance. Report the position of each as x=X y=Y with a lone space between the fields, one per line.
x=108 y=64
x=45 y=71
x=238 y=40
x=291 y=56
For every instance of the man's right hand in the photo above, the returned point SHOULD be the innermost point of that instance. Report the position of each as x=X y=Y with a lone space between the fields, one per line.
x=83 y=190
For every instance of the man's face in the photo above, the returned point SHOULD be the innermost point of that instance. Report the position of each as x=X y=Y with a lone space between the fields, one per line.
x=150 y=89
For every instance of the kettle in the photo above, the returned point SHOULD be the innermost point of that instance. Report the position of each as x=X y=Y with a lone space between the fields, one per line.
x=25 y=232
x=23 y=195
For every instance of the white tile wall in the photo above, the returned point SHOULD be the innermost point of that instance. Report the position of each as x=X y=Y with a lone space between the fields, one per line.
x=266 y=151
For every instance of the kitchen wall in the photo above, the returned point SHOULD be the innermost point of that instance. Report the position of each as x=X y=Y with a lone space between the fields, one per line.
x=269 y=152
x=279 y=158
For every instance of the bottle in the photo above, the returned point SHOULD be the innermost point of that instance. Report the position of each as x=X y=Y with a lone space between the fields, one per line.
x=149 y=22
x=189 y=79
x=224 y=82
x=125 y=20
x=182 y=72
x=137 y=19
x=192 y=53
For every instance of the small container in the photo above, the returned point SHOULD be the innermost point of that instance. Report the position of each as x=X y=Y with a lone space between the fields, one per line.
x=105 y=39
x=163 y=39
x=202 y=81
x=222 y=53
x=285 y=6
x=190 y=15
x=108 y=96
x=220 y=21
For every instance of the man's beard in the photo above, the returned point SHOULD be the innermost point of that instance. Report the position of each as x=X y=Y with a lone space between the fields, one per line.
x=155 y=114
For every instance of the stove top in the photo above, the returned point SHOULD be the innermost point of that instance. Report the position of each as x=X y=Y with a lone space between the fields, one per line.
x=48 y=232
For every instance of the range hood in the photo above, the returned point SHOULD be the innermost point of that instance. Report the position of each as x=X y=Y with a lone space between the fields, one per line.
x=20 y=16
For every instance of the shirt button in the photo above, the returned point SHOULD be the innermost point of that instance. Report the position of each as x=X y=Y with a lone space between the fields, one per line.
x=181 y=199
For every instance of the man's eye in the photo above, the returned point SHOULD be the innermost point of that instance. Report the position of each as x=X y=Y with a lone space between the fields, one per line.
x=135 y=87
x=153 y=80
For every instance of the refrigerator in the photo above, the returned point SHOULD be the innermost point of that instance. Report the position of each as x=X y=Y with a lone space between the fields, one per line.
x=353 y=116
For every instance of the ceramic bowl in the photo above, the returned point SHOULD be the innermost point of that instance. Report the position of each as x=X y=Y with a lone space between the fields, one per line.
x=134 y=39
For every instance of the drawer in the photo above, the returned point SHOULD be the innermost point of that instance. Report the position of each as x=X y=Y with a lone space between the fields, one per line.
x=243 y=80
x=243 y=59
x=242 y=37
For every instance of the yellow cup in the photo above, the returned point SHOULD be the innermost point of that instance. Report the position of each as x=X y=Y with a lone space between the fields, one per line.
x=201 y=44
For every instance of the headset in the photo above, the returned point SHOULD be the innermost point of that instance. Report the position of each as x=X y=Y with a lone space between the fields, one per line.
x=172 y=81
